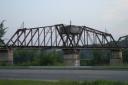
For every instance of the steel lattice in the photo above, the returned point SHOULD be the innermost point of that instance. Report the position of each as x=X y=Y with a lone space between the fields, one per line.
x=62 y=36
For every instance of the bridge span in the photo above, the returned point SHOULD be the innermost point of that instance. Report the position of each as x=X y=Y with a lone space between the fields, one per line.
x=70 y=38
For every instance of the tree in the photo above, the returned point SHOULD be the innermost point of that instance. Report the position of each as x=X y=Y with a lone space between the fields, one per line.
x=125 y=56
x=2 y=32
x=37 y=57
x=101 y=57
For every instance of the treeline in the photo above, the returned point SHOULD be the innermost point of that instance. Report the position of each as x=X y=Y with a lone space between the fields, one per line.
x=40 y=57
x=95 y=57
x=125 y=56
x=100 y=57
x=37 y=57
x=53 y=57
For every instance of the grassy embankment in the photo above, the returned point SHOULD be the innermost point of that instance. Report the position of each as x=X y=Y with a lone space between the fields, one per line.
x=33 y=82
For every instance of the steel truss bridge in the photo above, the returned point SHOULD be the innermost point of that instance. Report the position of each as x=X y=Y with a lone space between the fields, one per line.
x=62 y=36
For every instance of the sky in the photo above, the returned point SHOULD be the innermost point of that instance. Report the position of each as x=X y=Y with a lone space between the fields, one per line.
x=106 y=15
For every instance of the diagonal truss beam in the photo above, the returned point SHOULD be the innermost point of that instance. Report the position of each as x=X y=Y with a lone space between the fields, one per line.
x=52 y=36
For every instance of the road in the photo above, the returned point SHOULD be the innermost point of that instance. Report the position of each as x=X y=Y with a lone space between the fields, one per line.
x=40 y=74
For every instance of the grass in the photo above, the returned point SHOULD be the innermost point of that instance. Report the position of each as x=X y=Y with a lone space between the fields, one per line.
x=35 y=82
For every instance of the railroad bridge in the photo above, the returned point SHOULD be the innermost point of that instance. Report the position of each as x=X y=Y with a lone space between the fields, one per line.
x=69 y=38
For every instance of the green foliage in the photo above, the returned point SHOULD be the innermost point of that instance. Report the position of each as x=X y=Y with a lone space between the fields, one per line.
x=31 y=82
x=101 y=57
x=50 y=59
x=4 y=63
x=86 y=62
x=37 y=57
x=125 y=56
x=2 y=32
x=95 y=57
x=22 y=57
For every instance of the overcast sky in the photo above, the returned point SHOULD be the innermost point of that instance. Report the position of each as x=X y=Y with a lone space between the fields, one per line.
x=111 y=15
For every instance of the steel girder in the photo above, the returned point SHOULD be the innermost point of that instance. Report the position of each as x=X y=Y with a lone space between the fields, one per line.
x=59 y=36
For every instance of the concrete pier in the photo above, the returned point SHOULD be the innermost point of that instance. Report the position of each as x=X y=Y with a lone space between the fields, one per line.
x=6 y=55
x=71 y=57
x=116 y=57
x=10 y=56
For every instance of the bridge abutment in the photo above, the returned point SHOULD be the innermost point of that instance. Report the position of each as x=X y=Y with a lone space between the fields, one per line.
x=116 y=57
x=10 y=56
x=6 y=55
x=71 y=57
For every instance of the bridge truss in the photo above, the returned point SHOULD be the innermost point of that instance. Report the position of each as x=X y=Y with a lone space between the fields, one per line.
x=62 y=36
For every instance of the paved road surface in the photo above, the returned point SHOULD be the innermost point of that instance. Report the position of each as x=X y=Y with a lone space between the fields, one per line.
x=40 y=74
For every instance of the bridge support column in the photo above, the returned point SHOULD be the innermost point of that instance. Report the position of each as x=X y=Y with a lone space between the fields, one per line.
x=10 y=56
x=6 y=55
x=71 y=57
x=116 y=57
